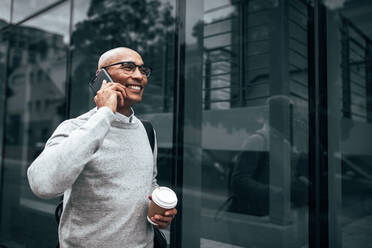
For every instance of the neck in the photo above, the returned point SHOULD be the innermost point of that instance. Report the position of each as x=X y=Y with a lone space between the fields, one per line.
x=125 y=110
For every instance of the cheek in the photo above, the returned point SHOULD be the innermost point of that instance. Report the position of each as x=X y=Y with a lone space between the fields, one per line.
x=145 y=83
x=118 y=76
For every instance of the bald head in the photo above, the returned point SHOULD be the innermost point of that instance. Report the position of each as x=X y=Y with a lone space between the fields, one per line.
x=114 y=55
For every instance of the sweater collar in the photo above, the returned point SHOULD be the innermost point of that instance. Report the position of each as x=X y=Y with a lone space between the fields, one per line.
x=122 y=121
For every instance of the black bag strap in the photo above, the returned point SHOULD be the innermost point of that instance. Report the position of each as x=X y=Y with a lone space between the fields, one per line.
x=58 y=210
x=159 y=239
x=150 y=133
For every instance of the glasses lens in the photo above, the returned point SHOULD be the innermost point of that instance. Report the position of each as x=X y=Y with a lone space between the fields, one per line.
x=145 y=70
x=128 y=66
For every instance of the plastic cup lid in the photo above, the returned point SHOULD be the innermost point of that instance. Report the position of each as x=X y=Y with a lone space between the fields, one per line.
x=164 y=197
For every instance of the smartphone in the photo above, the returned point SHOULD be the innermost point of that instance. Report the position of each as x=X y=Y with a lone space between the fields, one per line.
x=96 y=83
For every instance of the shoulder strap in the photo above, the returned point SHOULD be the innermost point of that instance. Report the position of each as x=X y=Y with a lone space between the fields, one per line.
x=150 y=133
x=58 y=211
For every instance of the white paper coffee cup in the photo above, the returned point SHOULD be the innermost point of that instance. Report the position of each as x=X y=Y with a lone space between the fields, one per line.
x=163 y=198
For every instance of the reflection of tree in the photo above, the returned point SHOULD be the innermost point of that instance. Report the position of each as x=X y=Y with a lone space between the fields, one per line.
x=140 y=25
x=3 y=23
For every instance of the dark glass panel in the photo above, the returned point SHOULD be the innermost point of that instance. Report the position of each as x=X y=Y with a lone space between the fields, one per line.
x=349 y=70
x=3 y=59
x=35 y=105
x=246 y=127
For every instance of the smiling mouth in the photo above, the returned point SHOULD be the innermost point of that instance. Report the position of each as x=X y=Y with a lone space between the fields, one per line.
x=134 y=86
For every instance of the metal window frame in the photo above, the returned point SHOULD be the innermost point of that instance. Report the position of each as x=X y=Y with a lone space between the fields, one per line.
x=178 y=120
x=318 y=129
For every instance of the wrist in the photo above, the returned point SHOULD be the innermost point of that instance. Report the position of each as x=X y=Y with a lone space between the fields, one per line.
x=105 y=110
x=113 y=110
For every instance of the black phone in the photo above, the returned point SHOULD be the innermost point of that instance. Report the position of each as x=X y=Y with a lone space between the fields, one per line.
x=96 y=83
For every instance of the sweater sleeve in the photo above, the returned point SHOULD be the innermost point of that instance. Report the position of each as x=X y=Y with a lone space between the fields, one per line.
x=66 y=153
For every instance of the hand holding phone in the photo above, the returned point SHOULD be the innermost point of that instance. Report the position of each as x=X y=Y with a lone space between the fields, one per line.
x=111 y=95
x=96 y=83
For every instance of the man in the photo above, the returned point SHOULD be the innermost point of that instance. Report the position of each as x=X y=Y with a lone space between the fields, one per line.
x=103 y=164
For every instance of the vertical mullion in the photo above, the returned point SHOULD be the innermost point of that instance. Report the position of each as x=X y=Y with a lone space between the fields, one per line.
x=368 y=71
x=69 y=64
x=208 y=85
x=323 y=126
x=165 y=87
x=11 y=11
x=346 y=89
x=4 y=104
x=178 y=121
x=318 y=134
x=242 y=87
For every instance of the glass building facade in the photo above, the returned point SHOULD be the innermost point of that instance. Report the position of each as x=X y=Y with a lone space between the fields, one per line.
x=263 y=113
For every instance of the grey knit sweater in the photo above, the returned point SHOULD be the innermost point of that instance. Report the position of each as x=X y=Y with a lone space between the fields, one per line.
x=105 y=168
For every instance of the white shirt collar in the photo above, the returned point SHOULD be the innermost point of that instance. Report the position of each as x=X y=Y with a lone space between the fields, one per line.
x=123 y=118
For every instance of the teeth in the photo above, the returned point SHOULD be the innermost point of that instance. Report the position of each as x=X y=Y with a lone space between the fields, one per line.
x=134 y=87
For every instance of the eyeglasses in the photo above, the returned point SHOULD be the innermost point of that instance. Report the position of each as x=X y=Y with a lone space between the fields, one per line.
x=129 y=67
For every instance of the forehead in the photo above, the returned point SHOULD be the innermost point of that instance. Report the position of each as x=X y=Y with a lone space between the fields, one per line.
x=129 y=55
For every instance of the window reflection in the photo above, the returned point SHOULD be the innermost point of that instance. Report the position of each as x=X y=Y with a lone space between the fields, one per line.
x=355 y=51
x=255 y=123
x=350 y=132
x=25 y=8
x=4 y=12
x=35 y=105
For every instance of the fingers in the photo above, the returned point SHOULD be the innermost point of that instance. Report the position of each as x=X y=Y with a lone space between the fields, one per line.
x=171 y=212
x=163 y=221
x=122 y=94
x=104 y=84
x=120 y=97
x=116 y=88
x=120 y=88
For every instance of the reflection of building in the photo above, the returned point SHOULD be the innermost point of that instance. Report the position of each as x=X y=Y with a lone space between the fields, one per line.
x=3 y=52
x=36 y=81
x=356 y=67
x=36 y=72
x=240 y=70
x=253 y=51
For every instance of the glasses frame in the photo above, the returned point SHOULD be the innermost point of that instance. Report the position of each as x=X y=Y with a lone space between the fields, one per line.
x=131 y=62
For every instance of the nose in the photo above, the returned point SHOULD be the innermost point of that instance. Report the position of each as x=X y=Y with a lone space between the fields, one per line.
x=137 y=73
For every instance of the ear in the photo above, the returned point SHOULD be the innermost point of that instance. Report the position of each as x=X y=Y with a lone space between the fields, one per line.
x=97 y=71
